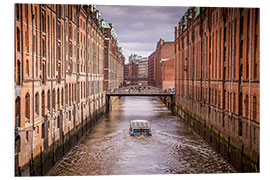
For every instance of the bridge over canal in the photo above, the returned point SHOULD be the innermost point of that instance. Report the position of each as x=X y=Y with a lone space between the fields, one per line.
x=138 y=90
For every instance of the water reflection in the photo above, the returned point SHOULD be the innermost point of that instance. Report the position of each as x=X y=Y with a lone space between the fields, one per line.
x=109 y=150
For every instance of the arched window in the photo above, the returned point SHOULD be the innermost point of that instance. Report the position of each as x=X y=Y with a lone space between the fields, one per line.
x=37 y=103
x=27 y=67
x=18 y=112
x=43 y=103
x=49 y=100
x=27 y=106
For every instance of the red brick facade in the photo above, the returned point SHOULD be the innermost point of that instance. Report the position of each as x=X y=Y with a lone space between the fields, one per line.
x=164 y=51
x=113 y=59
x=151 y=69
x=168 y=73
x=217 y=71
x=59 y=73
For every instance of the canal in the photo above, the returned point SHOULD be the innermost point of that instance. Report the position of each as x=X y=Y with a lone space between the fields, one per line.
x=109 y=149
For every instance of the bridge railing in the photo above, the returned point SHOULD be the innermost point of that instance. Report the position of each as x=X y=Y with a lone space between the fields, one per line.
x=139 y=90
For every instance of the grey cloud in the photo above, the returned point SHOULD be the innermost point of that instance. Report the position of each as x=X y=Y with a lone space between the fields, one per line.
x=142 y=24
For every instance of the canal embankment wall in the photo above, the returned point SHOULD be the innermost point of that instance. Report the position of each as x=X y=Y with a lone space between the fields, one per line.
x=220 y=131
x=41 y=164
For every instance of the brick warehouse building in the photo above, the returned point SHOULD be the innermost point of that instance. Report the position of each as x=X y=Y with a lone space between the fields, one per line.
x=164 y=52
x=143 y=71
x=218 y=80
x=168 y=73
x=59 y=73
x=132 y=69
x=151 y=67
x=113 y=58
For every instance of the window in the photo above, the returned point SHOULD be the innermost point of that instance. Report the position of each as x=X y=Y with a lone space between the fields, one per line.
x=58 y=122
x=43 y=130
x=27 y=106
x=34 y=43
x=58 y=99
x=17 y=11
x=53 y=99
x=43 y=47
x=27 y=136
x=26 y=13
x=240 y=127
x=234 y=99
x=18 y=39
x=62 y=97
x=27 y=68
x=37 y=103
x=43 y=22
x=246 y=103
x=43 y=103
x=254 y=108
x=18 y=144
x=26 y=40
x=18 y=82
x=66 y=94
x=18 y=112
x=49 y=100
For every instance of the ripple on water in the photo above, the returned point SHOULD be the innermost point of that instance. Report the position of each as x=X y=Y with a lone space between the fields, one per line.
x=109 y=150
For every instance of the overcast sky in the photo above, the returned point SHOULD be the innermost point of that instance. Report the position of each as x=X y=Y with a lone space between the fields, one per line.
x=139 y=28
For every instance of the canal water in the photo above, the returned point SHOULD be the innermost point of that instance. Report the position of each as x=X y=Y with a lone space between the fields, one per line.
x=173 y=147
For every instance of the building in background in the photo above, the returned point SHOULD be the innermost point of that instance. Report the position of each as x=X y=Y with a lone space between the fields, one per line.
x=168 y=73
x=151 y=69
x=143 y=71
x=164 y=54
x=136 y=70
x=126 y=74
x=59 y=76
x=218 y=80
